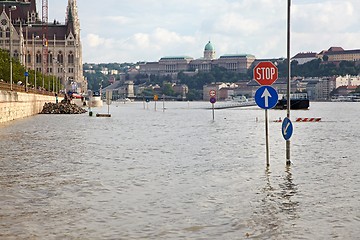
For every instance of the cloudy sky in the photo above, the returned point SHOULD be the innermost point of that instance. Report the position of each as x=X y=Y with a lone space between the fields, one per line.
x=146 y=30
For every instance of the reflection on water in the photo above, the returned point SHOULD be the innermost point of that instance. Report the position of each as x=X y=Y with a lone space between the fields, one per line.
x=276 y=210
x=145 y=174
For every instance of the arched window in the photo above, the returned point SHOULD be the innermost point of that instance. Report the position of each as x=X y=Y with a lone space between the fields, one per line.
x=50 y=58
x=16 y=54
x=71 y=58
x=38 y=57
x=60 y=57
x=7 y=32
x=28 y=60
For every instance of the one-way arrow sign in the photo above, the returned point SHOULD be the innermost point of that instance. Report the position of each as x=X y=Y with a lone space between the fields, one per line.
x=287 y=128
x=266 y=97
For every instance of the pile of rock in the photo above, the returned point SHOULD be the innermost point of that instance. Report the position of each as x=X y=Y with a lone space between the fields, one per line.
x=62 y=108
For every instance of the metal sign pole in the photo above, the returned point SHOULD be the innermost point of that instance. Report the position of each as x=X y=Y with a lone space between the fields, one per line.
x=266 y=97
x=267 y=138
x=288 y=162
x=213 y=112
x=163 y=103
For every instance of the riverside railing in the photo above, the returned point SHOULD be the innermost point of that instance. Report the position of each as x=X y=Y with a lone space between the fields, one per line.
x=21 y=88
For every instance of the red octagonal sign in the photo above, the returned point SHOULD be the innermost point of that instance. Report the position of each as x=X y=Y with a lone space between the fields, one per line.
x=265 y=73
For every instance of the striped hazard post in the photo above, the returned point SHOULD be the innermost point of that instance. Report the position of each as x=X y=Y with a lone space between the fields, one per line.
x=308 y=119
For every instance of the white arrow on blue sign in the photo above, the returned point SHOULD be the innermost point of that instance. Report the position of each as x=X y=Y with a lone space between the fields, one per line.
x=287 y=128
x=266 y=97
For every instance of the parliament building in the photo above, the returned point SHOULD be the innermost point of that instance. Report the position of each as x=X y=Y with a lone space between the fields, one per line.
x=53 y=48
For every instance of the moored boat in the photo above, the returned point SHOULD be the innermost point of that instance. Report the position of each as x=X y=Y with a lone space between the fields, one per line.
x=95 y=100
x=297 y=101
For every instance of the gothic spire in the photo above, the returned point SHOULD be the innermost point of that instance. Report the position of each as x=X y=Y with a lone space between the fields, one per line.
x=72 y=18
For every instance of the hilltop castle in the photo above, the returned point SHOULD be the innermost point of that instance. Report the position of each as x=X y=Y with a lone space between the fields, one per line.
x=63 y=55
x=174 y=64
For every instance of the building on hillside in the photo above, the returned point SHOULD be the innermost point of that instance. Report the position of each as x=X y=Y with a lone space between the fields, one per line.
x=335 y=54
x=302 y=58
x=175 y=64
x=236 y=62
x=53 y=48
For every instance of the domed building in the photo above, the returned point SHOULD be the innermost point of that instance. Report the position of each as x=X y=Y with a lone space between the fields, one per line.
x=209 y=51
x=173 y=65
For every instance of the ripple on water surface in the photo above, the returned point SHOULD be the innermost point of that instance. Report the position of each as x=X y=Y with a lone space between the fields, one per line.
x=145 y=174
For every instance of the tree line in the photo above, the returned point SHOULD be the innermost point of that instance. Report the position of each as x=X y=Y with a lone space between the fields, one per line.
x=314 y=68
x=19 y=73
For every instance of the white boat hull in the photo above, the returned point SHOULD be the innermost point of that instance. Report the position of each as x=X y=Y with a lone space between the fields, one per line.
x=95 y=102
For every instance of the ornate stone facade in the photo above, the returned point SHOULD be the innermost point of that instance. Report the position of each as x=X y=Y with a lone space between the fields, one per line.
x=30 y=36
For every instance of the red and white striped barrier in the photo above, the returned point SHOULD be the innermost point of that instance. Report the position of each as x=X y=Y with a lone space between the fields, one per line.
x=308 y=119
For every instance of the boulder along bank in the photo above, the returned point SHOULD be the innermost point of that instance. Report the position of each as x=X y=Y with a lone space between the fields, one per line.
x=62 y=108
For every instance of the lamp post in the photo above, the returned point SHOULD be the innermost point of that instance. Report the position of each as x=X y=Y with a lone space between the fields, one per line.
x=49 y=61
x=34 y=57
x=26 y=57
x=55 y=83
x=65 y=80
x=11 y=8
x=53 y=75
x=62 y=69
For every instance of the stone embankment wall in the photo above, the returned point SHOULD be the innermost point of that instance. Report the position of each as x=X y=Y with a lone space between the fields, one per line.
x=16 y=105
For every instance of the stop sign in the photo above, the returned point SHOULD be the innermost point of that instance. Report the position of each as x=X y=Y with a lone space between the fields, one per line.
x=265 y=73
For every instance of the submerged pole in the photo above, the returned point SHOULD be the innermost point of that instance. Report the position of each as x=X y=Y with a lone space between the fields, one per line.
x=267 y=138
x=288 y=162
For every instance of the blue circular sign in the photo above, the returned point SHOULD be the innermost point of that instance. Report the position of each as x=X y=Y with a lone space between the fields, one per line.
x=213 y=100
x=266 y=97
x=287 y=128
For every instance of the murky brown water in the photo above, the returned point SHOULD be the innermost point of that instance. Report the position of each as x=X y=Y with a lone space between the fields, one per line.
x=177 y=174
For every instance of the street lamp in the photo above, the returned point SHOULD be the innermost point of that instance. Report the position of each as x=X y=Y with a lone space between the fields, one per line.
x=34 y=58
x=11 y=8
x=26 y=57
x=55 y=83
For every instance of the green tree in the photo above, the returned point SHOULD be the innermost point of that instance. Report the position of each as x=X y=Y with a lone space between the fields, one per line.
x=167 y=89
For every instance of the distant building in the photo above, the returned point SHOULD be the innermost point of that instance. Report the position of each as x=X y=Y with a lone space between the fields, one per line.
x=121 y=90
x=174 y=64
x=223 y=90
x=333 y=54
x=345 y=90
x=302 y=58
x=181 y=89
x=319 y=89
x=347 y=81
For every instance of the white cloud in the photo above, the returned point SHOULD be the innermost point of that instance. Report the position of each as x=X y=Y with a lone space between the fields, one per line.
x=149 y=30
x=120 y=20
x=94 y=40
x=331 y=16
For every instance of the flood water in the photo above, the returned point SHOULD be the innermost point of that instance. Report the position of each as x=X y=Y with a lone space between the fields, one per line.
x=146 y=174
